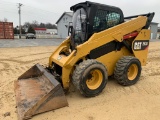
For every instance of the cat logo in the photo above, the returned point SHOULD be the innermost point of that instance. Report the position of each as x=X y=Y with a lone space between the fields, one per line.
x=137 y=45
x=140 y=45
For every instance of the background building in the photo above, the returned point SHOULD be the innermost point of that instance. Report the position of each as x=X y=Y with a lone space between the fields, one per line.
x=40 y=30
x=154 y=29
x=51 y=31
x=62 y=24
x=158 y=33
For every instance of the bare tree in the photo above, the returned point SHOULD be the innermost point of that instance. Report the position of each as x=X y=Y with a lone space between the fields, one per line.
x=27 y=24
x=5 y=20
x=49 y=25
x=35 y=24
x=54 y=26
x=42 y=25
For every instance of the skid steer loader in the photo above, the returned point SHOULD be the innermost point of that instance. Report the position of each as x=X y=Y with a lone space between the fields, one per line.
x=102 y=43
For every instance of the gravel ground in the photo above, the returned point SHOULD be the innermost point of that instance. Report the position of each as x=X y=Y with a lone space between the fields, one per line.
x=10 y=43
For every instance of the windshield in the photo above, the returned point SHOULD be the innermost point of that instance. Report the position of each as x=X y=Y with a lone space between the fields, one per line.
x=79 y=18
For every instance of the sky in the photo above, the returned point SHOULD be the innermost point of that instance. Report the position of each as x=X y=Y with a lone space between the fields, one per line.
x=50 y=10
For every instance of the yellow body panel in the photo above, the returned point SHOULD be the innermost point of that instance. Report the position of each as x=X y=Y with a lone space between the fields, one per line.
x=142 y=54
x=110 y=59
x=96 y=40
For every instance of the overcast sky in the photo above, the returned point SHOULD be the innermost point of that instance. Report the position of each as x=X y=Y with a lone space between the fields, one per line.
x=50 y=10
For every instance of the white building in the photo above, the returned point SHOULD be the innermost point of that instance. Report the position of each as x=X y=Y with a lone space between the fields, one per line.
x=62 y=24
x=43 y=31
x=51 y=31
x=40 y=30
x=154 y=29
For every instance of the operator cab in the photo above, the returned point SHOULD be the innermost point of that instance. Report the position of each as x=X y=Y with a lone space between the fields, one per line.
x=89 y=18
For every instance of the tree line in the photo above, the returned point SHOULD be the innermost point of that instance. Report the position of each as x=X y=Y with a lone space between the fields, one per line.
x=28 y=27
x=36 y=24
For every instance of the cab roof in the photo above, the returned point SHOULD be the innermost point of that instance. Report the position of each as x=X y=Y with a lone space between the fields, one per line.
x=88 y=4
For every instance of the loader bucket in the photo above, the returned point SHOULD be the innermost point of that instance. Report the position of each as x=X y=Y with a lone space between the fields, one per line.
x=38 y=91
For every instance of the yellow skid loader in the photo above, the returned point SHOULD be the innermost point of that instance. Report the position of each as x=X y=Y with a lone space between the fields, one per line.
x=102 y=43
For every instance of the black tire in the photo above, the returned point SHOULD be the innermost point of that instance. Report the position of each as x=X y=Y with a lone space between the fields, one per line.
x=127 y=70
x=90 y=70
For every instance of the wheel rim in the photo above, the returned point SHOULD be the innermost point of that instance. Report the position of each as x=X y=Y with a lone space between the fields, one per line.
x=132 y=72
x=94 y=80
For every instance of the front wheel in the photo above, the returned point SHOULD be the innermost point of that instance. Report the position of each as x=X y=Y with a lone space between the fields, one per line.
x=90 y=77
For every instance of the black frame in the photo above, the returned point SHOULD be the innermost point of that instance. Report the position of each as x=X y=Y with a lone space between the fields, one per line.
x=91 y=8
x=149 y=15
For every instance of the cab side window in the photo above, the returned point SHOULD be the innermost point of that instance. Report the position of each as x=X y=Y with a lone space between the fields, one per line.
x=113 y=19
x=100 y=20
x=105 y=19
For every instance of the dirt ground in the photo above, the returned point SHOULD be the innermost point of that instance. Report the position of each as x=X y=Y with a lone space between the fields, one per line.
x=138 y=102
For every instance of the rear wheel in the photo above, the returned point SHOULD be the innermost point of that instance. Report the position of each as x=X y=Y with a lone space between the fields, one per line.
x=128 y=70
x=90 y=77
